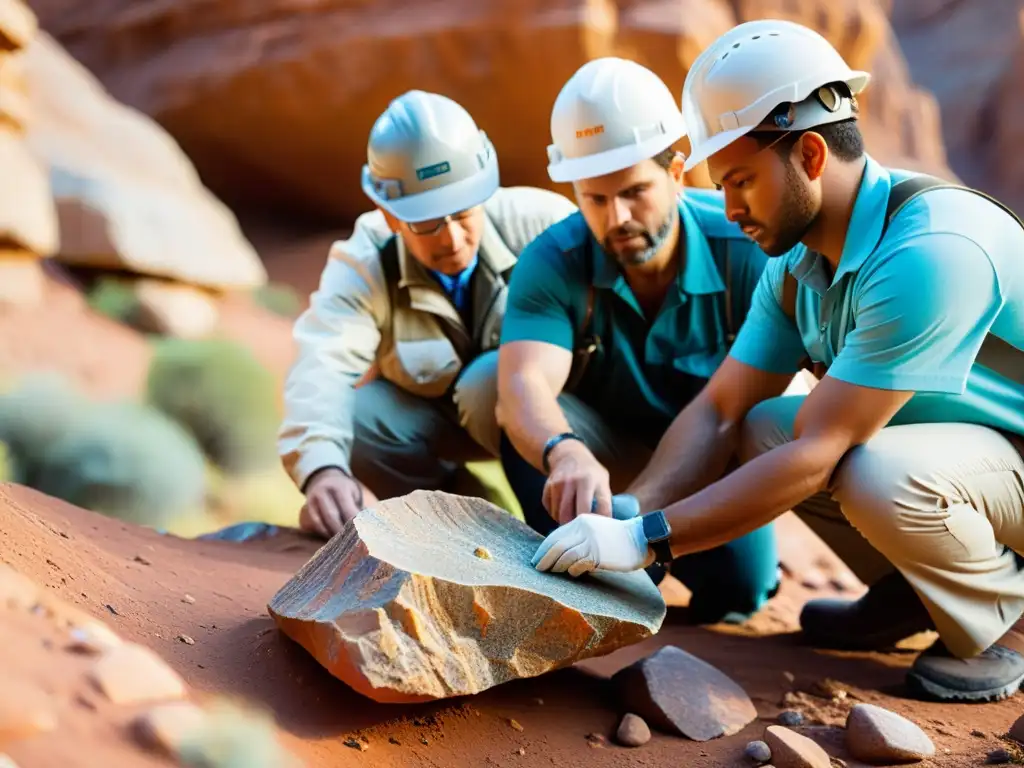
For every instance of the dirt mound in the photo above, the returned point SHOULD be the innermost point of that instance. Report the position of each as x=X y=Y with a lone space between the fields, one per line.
x=152 y=589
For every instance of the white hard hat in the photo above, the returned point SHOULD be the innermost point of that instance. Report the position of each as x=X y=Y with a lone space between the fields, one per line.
x=611 y=114
x=755 y=67
x=426 y=159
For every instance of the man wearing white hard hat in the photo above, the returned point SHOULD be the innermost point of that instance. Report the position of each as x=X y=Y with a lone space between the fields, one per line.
x=616 y=318
x=907 y=456
x=394 y=384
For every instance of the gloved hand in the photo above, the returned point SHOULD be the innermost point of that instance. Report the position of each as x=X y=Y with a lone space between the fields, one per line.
x=594 y=543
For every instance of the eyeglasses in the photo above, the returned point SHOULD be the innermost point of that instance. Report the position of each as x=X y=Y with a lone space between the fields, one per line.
x=433 y=226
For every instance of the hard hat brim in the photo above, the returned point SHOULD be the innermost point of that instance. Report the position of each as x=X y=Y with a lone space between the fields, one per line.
x=571 y=169
x=715 y=144
x=441 y=201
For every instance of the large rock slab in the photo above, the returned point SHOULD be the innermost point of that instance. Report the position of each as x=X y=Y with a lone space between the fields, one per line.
x=28 y=220
x=680 y=694
x=14 y=107
x=127 y=196
x=233 y=82
x=432 y=595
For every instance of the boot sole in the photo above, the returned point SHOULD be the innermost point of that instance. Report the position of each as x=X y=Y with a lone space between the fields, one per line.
x=942 y=693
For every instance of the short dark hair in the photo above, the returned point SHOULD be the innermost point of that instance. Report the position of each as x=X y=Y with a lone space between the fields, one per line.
x=843 y=138
x=665 y=157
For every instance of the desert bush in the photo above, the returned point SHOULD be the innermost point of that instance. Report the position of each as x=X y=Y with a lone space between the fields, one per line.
x=121 y=459
x=279 y=298
x=115 y=298
x=223 y=395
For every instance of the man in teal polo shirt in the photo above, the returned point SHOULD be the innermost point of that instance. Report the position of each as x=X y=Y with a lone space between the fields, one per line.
x=659 y=282
x=907 y=456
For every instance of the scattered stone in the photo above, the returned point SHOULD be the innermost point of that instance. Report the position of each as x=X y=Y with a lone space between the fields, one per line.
x=188 y=599
x=17 y=591
x=112 y=609
x=174 y=309
x=790 y=677
x=133 y=674
x=998 y=757
x=168 y=726
x=680 y=694
x=596 y=740
x=1017 y=730
x=515 y=724
x=25 y=710
x=538 y=702
x=186 y=640
x=758 y=751
x=521 y=751
x=874 y=734
x=355 y=744
x=791 y=718
x=980 y=734
x=395 y=741
x=143 y=560
x=231 y=735
x=791 y=750
x=413 y=617
x=93 y=638
x=482 y=553
x=633 y=731
x=423 y=740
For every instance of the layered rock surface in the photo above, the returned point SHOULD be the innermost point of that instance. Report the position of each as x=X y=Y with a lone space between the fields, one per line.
x=273 y=101
x=432 y=595
x=28 y=221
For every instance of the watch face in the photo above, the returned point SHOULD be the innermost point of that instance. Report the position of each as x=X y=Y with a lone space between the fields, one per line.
x=656 y=526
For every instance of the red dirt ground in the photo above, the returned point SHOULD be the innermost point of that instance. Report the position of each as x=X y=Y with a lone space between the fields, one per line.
x=89 y=561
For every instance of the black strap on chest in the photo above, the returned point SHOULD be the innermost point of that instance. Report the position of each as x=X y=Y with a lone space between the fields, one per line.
x=995 y=353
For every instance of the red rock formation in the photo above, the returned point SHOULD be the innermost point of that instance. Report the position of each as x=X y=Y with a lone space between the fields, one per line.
x=273 y=101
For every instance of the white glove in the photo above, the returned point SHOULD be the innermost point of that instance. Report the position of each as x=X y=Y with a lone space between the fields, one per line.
x=594 y=542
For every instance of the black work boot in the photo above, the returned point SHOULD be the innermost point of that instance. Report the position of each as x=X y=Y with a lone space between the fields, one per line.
x=995 y=673
x=888 y=613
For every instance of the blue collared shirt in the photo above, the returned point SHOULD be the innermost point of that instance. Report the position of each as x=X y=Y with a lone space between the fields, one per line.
x=644 y=372
x=457 y=286
x=910 y=314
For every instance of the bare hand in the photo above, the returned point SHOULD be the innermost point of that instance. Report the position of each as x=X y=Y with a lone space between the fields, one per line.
x=577 y=478
x=333 y=499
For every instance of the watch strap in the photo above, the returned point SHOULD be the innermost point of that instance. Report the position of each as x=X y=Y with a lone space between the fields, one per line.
x=552 y=442
x=658 y=531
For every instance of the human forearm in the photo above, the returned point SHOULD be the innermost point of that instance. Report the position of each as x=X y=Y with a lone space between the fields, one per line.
x=529 y=413
x=751 y=496
x=693 y=452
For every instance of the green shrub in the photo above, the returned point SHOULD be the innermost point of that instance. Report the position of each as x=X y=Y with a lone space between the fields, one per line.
x=279 y=298
x=223 y=395
x=114 y=298
x=124 y=460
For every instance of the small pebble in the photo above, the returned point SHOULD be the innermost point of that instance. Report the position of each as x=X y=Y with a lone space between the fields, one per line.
x=395 y=741
x=423 y=740
x=186 y=640
x=188 y=599
x=521 y=751
x=142 y=560
x=758 y=751
x=876 y=735
x=596 y=740
x=791 y=718
x=790 y=677
x=355 y=744
x=515 y=724
x=482 y=553
x=998 y=757
x=978 y=734
x=633 y=731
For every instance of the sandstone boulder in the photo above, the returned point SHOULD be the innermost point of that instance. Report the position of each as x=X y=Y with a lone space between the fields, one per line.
x=127 y=197
x=27 y=218
x=273 y=100
x=432 y=595
x=17 y=25
x=14 y=108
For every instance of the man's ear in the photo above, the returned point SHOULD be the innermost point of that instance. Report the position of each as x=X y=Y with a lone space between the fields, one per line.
x=813 y=154
x=675 y=169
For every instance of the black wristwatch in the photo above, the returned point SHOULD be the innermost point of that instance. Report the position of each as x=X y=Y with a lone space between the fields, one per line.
x=552 y=442
x=657 y=531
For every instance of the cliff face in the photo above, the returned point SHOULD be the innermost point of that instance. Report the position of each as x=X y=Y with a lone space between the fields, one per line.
x=971 y=56
x=273 y=101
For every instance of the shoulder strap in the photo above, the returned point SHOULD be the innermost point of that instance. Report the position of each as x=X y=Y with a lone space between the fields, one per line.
x=389 y=262
x=586 y=343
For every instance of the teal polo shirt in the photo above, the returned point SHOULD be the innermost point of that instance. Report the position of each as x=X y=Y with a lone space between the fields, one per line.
x=643 y=373
x=909 y=314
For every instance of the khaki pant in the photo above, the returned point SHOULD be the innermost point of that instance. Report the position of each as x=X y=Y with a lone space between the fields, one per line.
x=403 y=442
x=942 y=503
